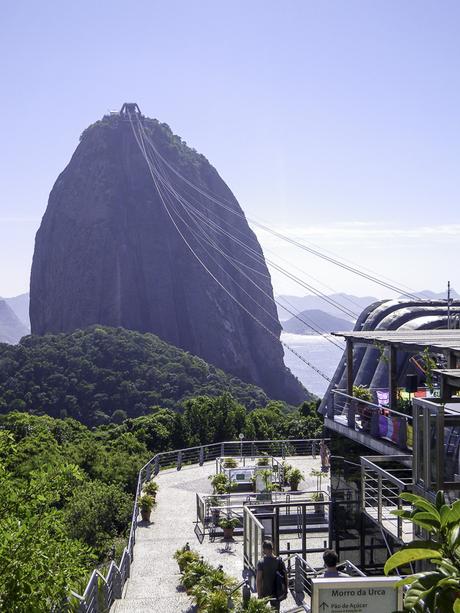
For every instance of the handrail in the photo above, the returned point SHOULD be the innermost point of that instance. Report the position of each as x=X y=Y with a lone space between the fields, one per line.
x=371 y=404
x=117 y=574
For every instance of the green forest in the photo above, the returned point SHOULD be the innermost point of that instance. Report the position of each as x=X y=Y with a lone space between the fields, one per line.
x=101 y=375
x=67 y=490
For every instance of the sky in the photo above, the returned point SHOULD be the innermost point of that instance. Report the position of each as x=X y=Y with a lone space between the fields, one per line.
x=336 y=123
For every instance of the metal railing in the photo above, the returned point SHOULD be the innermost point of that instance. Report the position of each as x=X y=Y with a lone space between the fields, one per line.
x=101 y=591
x=374 y=420
x=300 y=574
x=384 y=478
x=209 y=506
x=253 y=537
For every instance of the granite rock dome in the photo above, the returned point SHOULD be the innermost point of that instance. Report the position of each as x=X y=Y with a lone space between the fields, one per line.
x=107 y=252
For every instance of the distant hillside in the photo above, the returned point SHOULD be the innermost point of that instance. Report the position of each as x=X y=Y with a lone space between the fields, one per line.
x=310 y=302
x=320 y=319
x=20 y=306
x=91 y=373
x=427 y=294
x=11 y=328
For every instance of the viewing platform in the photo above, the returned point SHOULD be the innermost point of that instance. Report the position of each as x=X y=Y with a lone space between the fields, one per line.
x=154 y=578
x=148 y=579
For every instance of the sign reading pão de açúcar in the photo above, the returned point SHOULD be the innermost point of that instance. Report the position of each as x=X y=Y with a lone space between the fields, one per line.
x=355 y=595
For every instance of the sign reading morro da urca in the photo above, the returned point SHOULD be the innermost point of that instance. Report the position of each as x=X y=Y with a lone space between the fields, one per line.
x=355 y=595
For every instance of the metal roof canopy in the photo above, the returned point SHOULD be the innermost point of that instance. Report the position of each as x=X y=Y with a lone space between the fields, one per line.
x=436 y=340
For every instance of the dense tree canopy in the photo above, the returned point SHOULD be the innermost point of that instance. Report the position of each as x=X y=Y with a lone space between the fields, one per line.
x=79 y=415
x=101 y=375
x=67 y=491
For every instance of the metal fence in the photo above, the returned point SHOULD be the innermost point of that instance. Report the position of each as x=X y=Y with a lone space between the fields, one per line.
x=383 y=478
x=374 y=420
x=101 y=591
x=300 y=574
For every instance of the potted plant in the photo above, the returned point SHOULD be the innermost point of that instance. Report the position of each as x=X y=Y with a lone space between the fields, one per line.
x=151 y=488
x=221 y=483
x=295 y=477
x=266 y=493
x=214 y=503
x=228 y=526
x=285 y=470
x=265 y=461
x=184 y=557
x=146 y=504
x=364 y=410
x=230 y=462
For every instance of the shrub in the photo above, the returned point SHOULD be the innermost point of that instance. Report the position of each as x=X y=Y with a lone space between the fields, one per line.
x=146 y=502
x=263 y=462
x=230 y=463
x=221 y=483
x=295 y=477
x=226 y=522
x=151 y=488
x=97 y=513
x=437 y=589
x=194 y=572
x=256 y=605
x=184 y=557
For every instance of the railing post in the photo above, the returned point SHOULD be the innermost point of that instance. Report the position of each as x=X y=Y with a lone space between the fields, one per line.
x=222 y=450
x=117 y=587
x=351 y=417
x=148 y=472
x=156 y=465
x=375 y=422
x=331 y=406
x=201 y=460
x=283 y=450
x=298 y=587
x=179 y=460
x=313 y=450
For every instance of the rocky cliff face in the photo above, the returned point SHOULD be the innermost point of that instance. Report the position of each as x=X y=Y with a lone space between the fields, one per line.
x=107 y=252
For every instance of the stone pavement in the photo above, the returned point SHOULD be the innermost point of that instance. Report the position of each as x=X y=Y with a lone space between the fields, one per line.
x=154 y=581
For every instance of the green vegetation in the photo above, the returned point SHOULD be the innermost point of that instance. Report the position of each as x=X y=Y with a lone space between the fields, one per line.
x=221 y=484
x=362 y=392
x=230 y=463
x=228 y=523
x=295 y=476
x=66 y=506
x=67 y=491
x=438 y=589
x=211 y=588
x=101 y=375
x=263 y=461
x=79 y=415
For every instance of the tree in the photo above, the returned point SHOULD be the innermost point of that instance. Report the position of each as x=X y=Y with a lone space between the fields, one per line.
x=39 y=561
x=436 y=590
x=97 y=513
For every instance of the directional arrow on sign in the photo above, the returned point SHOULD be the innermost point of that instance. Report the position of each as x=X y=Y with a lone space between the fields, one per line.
x=324 y=606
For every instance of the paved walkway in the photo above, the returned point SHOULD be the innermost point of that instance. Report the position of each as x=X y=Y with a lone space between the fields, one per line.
x=154 y=581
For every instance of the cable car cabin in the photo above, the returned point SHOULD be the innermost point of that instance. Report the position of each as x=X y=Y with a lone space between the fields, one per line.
x=131 y=109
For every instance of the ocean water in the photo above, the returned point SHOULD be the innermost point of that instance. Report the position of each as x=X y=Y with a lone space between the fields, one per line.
x=318 y=351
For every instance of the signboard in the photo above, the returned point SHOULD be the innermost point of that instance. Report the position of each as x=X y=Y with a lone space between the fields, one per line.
x=355 y=595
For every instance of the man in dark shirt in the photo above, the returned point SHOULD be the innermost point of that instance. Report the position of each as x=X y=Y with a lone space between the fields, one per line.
x=331 y=560
x=266 y=575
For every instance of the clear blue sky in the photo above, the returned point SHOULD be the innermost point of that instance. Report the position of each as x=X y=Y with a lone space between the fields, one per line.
x=335 y=121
